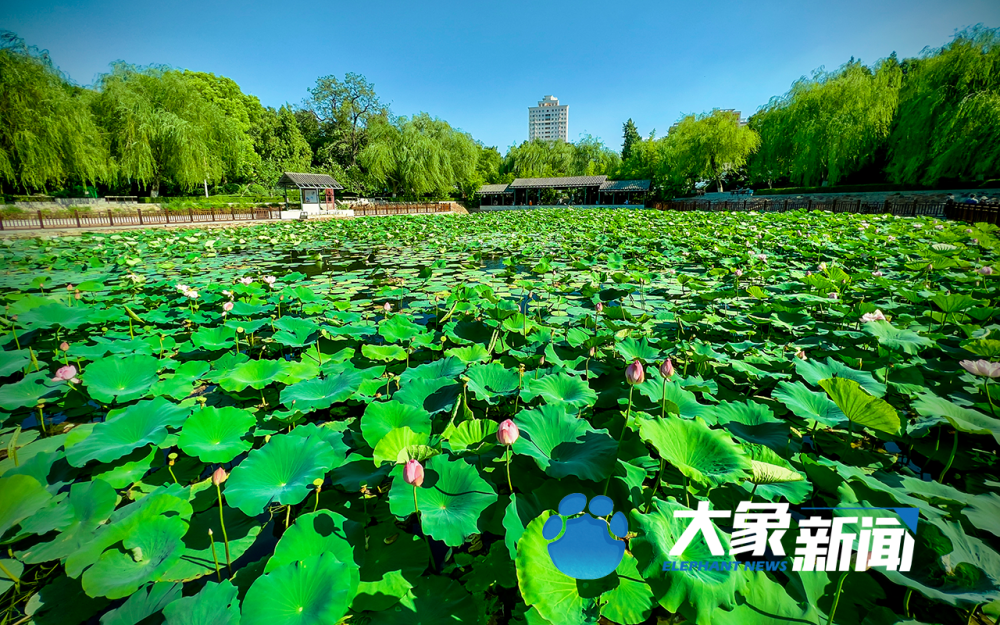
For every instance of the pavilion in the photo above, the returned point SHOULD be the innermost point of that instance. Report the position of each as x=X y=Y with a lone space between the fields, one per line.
x=310 y=186
x=581 y=191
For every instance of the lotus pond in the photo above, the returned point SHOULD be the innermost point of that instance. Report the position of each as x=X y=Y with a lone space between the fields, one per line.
x=212 y=426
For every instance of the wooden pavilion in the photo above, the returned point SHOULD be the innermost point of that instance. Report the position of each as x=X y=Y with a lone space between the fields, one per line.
x=582 y=191
x=318 y=190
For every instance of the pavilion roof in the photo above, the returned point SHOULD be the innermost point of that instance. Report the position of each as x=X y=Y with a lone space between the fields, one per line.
x=494 y=189
x=625 y=185
x=567 y=181
x=307 y=181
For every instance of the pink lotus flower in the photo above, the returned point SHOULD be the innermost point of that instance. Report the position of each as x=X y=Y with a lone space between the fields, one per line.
x=269 y=280
x=890 y=238
x=64 y=346
x=975 y=241
x=219 y=476
x=508 y=433
x=822 y=266
x=873 y=316
x=599 y=308
x=801 y=354
x=939 y=227
x=634 y=373
x=387 y=307
x=877 y=274
x=809 y=273
x=986 y=271
x=227 y=293
x=228 y=306
x=833 y=296
x=982 y=368
x=182 y=288
x=247 y=281
x=413 y=473
x=192 y=294
x=918 y=226
x=667 y=368
x=739 y=273
x=66 y=374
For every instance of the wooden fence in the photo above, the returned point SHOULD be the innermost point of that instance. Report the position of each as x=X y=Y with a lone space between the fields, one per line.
x=149 y=217
x=399 y=208
x=971 y=213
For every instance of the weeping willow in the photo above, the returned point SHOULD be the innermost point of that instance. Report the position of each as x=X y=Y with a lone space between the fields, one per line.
x=705 y=147
x=949 y=113
x=47 y=136
x=161 y=128
x=827 y=126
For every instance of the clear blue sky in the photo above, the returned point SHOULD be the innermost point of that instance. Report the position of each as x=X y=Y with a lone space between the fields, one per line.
x=479 y=65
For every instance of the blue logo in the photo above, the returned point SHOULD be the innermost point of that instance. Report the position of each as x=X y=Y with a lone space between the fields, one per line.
x=583 y=546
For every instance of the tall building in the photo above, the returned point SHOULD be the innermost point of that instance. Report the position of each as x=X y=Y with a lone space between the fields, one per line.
x=549 y=120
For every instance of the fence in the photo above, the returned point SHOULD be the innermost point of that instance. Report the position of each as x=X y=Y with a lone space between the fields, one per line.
x=101 y=219
x=399 y=208
x=949 y=210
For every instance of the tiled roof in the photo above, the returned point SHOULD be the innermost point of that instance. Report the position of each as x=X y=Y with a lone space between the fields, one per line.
x=569 y=181
x=493 y=189
x=625 y=185
x=308 y=181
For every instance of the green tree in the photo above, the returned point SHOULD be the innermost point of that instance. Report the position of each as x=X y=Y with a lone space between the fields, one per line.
x=280 y=145
x=162 y=129
x=630 y=134
x=592 y=158
x=342 y=111
x=948 y=123
x=706 y=146
x=47 y=133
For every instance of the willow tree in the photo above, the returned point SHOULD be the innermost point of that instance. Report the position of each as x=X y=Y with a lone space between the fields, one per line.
x=539 y=159
x=592 y=158
x=244 y=111
x=827 y=126
x=419 y=156
x=47 y=134
x=707 y=146
x=161 y=128
x=948 y=124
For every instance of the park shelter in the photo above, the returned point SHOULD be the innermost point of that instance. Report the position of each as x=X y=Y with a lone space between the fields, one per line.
x=582 y=191
x=317 y=190
x=624 y=191
x=496 y=195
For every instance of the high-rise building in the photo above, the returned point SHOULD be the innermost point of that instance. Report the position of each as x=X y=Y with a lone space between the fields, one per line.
x=549 y=120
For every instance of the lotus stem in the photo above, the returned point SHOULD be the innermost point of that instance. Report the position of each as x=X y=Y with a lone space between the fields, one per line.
x=628 y=415
x=663 y=411
x=656 y=486
x=215 y=556
x=951 y=458
x=509 y=485
x=975 y=609
x=170 y=467
x=986 y=389
x=10 y=575
x=836 y=597
x=416 y=508
x=13 y=330
x=34 y=361
x=41 y=419
x=687 y=493
x=288 y=514
x=225 y=537
x=906 y=602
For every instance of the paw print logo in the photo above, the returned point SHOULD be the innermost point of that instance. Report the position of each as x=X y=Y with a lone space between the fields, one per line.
x=583 y=546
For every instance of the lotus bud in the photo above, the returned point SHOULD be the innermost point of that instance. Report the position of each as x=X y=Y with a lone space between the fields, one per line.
x=64 y=346
x=599 y=308
x=833 y=295
x=877 y=274
x=801 y=354
x=78 y=296
x=986 y=271
x=667 y=368
x=413 y=473
x=219 y=476
x=592 y=352
x=228 y=306
x=65 y=373
x=635 y=374
x=739 y=273
x=387 y=307
x=508 y=433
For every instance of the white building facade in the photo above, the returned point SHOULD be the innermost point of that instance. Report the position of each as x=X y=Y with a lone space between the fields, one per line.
x=549 y=120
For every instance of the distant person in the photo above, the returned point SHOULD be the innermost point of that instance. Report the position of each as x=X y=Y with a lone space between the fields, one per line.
x=970 y=200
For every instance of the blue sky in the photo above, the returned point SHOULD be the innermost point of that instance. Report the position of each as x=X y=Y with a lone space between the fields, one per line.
x=479 y=65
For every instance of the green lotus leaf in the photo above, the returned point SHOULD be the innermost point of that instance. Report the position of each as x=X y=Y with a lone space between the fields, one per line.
x=860 y=407
x=212 y=339
x=631 y=602
x=893 y=338
x=315 y=591
x=122 y=379
x=496 y=569
x=318 y=394
x=150 y=550
x=197 y=560
x=398 y=328
x=765 y=602
x=12 y=567
x=214 y=603
x=702 y=454
x=295 y=331
x=13 y=360
x=393 y=446
x=560 y=388
x=631 y=349
x=76 y=518
x=492 y=382
x=69 y=317
x=282 y=471
x=987 y=348
x=254 y=373
x=953 y=302
x=705 y=589
x=63 y=602
x=138 y=425
x=767 y=473
x=20 y=497
x=812 y=371
x=383 y=353
x=330 y=434
x=470 y=353
x=27 y=392
x=392 y=563
x=181 y=383
x=474 y=435
x=311 y=535
x=380 y=418
x=962 y=419
x=143 y=604
x=808 y=404
x=679 y=400
x=216 y=435
x=556 y=596
x=433 y=396
x=435 y=600
x=451 y=499
x=752 y=422
x=446 y=368
x=563 y=444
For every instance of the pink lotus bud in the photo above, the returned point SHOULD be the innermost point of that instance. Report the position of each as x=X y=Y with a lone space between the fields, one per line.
x=64 y=346
x=508 y=433
x=413 y=473
x=228 y=306
x=593 y=350
x=599 y=308
x=69 y=287
x=809 y=273
x=833 y=296
x=667 y=368
x=873 y=316
x=65 y=373
x=801 y=354
x=986 y=271
x=219 y=476
x=877 y=274
x=387 y=307
x=739 y=273
x=634 y=373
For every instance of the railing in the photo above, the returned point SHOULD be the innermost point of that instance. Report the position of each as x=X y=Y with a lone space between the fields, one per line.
x=399 y=208
x=110 y=218
x=948 y=210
